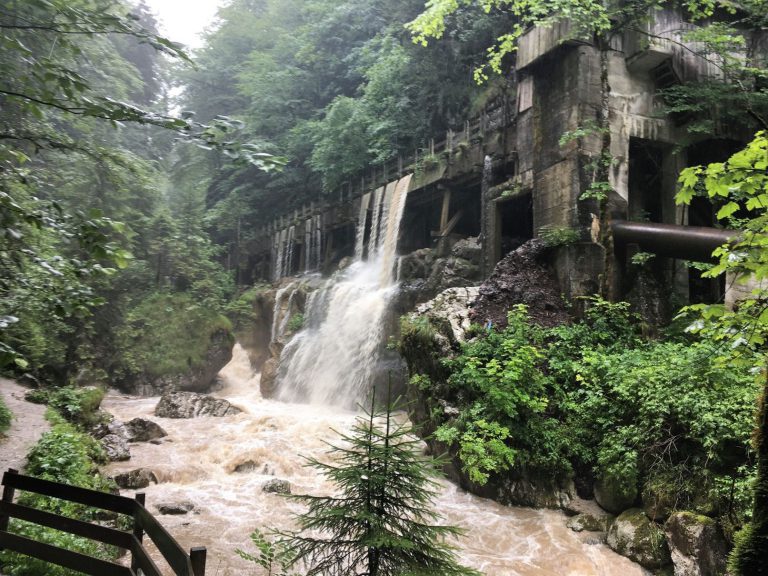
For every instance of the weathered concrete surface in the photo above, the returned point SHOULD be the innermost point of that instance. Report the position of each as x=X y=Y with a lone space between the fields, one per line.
x=28 y=425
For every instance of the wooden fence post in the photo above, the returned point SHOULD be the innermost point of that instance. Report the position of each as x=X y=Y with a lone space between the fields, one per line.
x=8 y=493
x=197 y=556
x=138 y=531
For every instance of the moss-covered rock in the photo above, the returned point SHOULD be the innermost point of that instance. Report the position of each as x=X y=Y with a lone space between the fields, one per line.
x=615 y=494
x=641 y=540
x=696 y=544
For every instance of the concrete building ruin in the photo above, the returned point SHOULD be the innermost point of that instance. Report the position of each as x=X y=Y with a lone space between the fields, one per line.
x=507 y=176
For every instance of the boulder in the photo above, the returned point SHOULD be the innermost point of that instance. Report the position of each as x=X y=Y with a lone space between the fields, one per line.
x=116 y=447
x=591 y=522
x=268 y=380
x=198 y=377
x=276 y=486
x=641 y=540
x=696 y=543
x=142 y=430
x=614 y=495
x=451 y=310
x=113 y=427
x=191 y=404
x=176 y=508
x=245 y=467
x=469 y=249
x=135 y=479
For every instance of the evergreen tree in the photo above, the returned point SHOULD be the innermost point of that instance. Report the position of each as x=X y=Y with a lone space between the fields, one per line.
x=381 y=523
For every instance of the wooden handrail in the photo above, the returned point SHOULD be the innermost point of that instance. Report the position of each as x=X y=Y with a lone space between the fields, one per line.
x=183 y=564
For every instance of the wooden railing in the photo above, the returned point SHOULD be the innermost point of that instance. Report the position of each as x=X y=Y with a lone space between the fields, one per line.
x=182 y=564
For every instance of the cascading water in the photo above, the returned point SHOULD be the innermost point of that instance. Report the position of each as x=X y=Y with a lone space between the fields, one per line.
x=220 y=465
x=332 y=360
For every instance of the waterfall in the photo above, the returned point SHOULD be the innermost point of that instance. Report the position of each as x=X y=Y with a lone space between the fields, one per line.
x=279 y=254
x=308 y=240
x=317 y=246
x=365 y=201
x=332 y=360
x=288 y=258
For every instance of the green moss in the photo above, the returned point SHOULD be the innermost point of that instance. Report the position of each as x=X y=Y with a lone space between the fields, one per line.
x=169 y=334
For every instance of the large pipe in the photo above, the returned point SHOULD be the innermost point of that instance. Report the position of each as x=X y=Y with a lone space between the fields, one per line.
x=685 y=242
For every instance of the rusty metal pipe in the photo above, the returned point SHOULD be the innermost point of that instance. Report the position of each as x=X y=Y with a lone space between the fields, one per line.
x=685 y=242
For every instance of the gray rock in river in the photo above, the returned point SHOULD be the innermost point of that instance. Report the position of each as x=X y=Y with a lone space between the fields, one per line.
x=135 y=479
x=176 y=508
x=143 y=430
x=191 y=404
x=277 y=486
x=116 y=447
x=115 y=427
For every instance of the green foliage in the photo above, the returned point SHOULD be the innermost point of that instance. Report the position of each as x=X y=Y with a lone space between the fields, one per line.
x=558 y=236
x=740 y=185
x=6 y=417
x=273 y=556
x=78 y=405
x=296 y=322
x=504 y=396
x=167 y=334
x=691 y=420
x=381 y=523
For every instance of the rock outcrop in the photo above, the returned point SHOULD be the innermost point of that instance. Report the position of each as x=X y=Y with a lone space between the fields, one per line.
x=196 y=378
x=614 y=495
x=116 y=447
x=190 y=405
x=176 y=508
x=641 y=540
x=276 y=486
x=697 y=545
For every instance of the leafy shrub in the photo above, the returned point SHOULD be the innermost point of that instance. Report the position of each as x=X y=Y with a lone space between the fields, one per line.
x=5 y=416
x=666 y=414
x=79 y=405
x=37 y=396
x=296 y=322
x=504 y=395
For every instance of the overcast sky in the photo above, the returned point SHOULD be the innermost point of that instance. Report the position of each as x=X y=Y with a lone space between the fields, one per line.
x=184 y=20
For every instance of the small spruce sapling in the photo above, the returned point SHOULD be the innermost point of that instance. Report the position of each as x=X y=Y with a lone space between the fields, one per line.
x=381 y=523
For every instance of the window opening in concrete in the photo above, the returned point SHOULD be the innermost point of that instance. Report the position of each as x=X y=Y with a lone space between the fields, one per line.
x=646 y=180
x=514 y=223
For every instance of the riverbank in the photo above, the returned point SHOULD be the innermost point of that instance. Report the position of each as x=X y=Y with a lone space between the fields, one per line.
x=27 y=426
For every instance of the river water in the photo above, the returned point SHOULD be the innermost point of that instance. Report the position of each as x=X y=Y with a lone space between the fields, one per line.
x=199 y=459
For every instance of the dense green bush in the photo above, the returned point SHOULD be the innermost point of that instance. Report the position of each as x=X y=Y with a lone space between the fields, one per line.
x=5 y=416
x=506 y=402
x=78 y=405
x=670 y=417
